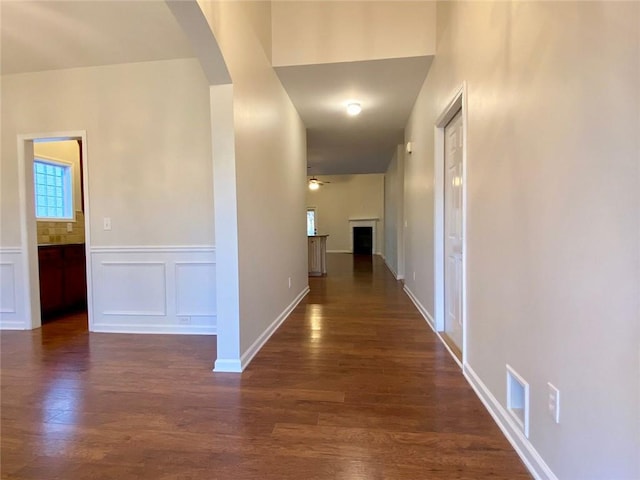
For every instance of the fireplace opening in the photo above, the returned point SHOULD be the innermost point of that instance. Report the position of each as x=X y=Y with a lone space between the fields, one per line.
x=362 y=240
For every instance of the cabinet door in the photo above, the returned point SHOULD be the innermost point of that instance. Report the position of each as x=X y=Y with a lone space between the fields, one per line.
x=75 y=279
x=51 y=280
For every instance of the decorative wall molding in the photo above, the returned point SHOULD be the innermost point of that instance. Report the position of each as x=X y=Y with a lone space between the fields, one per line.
x=202 y=272
x=13 y=314
x=8 y=287
x=523 y=447
x=154 y=249
x=154 y=289
x=124 y=277
x=10 y=250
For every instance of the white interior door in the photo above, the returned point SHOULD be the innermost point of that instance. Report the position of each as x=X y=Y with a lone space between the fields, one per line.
x=453 y=138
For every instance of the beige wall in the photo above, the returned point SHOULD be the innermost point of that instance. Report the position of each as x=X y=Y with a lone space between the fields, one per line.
x=270 y=168
x=345 y=31
x=148 y=141
x=394 y=213
x=348 y=197
x=552 y=222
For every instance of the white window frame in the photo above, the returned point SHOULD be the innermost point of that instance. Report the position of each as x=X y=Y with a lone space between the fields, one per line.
x=68 y=185
x=315 y=220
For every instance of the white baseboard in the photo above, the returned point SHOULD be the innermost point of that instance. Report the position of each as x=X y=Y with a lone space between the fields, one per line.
x=234 y=365
x=9 y=325
x=392 y=270
x=255 y=347
x=156 y=329
x=431 y=322
x=228 y=365
x=523 y=447
x=423 y=311
x=338 y=251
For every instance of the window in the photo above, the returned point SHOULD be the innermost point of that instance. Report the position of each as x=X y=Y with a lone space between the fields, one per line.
x=311 y=221
x=52 y=186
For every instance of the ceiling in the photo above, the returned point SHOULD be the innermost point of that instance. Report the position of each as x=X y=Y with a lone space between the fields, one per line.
x=52 y=35
x=338 y=143
x=49 y=35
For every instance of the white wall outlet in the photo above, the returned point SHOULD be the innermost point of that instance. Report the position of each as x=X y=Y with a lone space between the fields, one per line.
x=289 y=282
x=106 y=223
x=69 y=227
x=184 y=320
x=554 y=403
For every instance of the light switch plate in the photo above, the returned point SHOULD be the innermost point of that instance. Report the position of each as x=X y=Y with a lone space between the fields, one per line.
x=554 y=402
x=107 y=223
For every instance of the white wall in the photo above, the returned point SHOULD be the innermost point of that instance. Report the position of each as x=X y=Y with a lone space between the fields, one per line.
x=348 y=197
x=148 y=159
x=312 y=32
x=268 y=171
x=552 y=228
x=394 y=214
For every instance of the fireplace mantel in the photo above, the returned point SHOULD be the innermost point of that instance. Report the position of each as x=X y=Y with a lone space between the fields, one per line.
x=364 y=222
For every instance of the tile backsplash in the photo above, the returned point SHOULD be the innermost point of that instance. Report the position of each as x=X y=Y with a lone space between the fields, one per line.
x=56 y=232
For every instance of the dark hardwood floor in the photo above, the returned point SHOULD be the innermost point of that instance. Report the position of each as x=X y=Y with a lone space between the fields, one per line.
x=354 y=385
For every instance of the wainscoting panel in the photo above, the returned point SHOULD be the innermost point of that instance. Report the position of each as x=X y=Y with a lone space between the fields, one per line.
x=13 y=310
x=165 y=289
x=189 y=301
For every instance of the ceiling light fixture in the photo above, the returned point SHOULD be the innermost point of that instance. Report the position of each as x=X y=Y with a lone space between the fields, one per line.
x=353 y=109
x=313 y=184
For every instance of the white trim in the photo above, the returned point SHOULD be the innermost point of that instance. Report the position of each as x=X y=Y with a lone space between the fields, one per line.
x=227 y=365
x=182 y=263
x=457 y=103
x=153 y=249
x=28 y=223
x=523 y=447
x=339 y=251
x=364 y=222
x=391 y=269
x=12 y=266
x=431 y=322
x=10 y=250
x=393 y=272
x=157 y=329
x=12 y=325
x=66 y=164
x=235 y=365
x=255 y=347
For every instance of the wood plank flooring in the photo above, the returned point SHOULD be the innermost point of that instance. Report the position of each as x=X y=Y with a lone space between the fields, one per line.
x=354 y=385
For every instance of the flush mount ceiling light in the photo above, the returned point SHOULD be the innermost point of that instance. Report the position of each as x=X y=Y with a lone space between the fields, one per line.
x=353 y=108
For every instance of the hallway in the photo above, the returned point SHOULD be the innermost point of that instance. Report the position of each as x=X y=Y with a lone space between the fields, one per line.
x=354 y=385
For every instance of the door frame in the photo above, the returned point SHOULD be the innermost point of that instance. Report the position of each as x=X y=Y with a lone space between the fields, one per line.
x=28 y=224
x=457 y=103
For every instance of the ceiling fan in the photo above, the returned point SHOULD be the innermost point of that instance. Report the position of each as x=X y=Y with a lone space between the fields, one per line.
x=315 y=184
